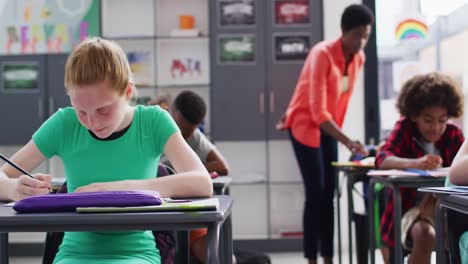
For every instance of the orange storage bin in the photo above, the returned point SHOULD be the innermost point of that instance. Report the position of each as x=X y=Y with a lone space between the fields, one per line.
x=186 y=22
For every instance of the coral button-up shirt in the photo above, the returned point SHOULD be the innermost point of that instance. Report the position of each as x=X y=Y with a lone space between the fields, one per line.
x=319 y=95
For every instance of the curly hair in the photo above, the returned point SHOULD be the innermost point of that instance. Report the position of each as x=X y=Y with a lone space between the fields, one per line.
x=429 y=90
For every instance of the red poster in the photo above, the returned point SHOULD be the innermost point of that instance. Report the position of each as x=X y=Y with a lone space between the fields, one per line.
x=292 y=12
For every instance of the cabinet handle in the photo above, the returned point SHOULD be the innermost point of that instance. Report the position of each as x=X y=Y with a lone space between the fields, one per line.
x=40 y=108
x=272 y=102
x=51 y=105
x=261 y=102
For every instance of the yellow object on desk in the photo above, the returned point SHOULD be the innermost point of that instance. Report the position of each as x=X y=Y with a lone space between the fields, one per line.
x=364 y=163
x=350 y=164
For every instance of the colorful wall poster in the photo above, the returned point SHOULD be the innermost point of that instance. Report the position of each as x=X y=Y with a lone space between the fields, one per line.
x=411 y=29
x=141 y=56
x=236 y=12
x=47 y=26
x=287 y=12
x=236 y=49
x=291 y=47
x=141 y=65
x=19 y=76
x=183 y=62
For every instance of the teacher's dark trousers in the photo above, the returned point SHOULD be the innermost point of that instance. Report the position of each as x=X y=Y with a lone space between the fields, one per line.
x=319 y=184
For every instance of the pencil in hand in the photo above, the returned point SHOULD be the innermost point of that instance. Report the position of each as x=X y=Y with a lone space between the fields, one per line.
x=14 y=165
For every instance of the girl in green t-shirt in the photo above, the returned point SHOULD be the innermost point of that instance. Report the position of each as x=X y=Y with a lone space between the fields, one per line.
x=106 y=144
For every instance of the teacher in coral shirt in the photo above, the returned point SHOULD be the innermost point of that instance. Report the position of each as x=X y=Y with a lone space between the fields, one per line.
x=314 y=118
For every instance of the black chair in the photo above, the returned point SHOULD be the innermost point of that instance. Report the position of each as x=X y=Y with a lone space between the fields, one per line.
x=458 y=226
x=165 y=240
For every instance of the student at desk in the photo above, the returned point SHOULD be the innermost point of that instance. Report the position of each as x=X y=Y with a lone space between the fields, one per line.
x=106 y=144
x=188 y=111
x=421 y=139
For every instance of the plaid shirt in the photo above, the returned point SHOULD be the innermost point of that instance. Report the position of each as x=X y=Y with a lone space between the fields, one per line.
x=400 y=143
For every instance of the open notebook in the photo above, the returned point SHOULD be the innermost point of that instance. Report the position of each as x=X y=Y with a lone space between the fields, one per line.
x=442 y=172
x=210 y=204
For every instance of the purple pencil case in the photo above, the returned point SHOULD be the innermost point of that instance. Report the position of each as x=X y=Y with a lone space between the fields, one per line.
x=68 y=202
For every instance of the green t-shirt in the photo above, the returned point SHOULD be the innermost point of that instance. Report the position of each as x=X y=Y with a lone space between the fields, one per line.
x=86 y=160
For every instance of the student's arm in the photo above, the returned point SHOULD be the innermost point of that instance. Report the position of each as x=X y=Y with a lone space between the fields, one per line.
x=333 y=130
x=191 y=179
x=216 y=162
x=457 y=174
x=13 y=185
x=393 y=154
x=427 y=162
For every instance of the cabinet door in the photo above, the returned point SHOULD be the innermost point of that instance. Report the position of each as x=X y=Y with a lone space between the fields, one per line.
x=247 y=162
x=286 y=209
x=58 y=97
x=237 y=70
x=282 y=163
x=22 y=97
x=250 y=211
x=292 y=27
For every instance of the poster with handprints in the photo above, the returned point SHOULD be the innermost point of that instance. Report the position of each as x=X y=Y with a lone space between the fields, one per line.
x=183 y=62
x=290 y=12
x=47 y=26
x=236 y=13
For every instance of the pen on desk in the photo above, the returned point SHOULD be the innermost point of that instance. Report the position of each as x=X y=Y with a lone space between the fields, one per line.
x=16 y=166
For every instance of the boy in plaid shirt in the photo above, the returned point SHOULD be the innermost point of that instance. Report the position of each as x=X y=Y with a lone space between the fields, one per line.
x=421 y=139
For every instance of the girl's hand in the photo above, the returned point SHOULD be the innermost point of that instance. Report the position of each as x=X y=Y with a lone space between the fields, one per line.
x=428 y=162
x=106 y=186
x=25 y=186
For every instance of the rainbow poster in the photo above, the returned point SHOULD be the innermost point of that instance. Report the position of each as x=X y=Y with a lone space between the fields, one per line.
x=411 y=28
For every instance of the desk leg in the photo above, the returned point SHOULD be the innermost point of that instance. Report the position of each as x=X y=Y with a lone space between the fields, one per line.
x=183 y=247
x=372 y=242
x=227 y=241
x=440 y=223
x=397 y=224
x=212 y=249
x=338 y=209
x=349 y=184
x=4 y=248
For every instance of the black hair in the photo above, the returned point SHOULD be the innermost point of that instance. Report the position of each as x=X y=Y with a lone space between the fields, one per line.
x=355 y=16
x=191 y=106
